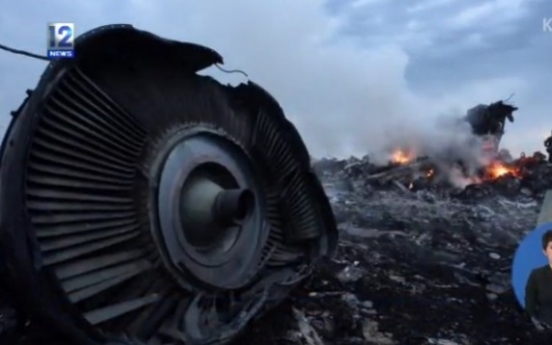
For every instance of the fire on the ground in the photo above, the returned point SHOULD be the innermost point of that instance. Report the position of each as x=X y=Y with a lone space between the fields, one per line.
x=495 y=169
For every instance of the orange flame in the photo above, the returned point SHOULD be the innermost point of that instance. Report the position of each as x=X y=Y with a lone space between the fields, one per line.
x=497 y=169
x=401 y=157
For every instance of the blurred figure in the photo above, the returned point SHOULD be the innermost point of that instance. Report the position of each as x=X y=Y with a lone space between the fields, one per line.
x=548 y=145
x=538 y=290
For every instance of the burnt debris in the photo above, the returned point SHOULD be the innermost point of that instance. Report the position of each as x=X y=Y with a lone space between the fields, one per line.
x=97 y=248
x=425 y=265
x=420 y=261
x=426 y=250
x=490 y=119
x=144 y=203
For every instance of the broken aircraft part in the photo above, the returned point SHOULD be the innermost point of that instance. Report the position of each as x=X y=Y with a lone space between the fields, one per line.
x=490 y=119
x=144 y=201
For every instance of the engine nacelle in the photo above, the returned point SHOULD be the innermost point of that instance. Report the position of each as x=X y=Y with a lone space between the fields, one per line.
x=142 y=200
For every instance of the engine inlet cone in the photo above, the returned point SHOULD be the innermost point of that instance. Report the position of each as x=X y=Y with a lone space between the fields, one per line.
x=211 y=219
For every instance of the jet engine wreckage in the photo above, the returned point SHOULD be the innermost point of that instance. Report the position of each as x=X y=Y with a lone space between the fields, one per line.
x=142 y=201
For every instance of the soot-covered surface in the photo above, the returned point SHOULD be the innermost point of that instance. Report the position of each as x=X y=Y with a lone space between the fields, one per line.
x=425 y=267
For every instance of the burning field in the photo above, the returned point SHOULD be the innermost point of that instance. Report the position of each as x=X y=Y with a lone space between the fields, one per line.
x=424 y=258
x=407 y=169
x=426 y=246
x=425 y=255
x=491 y=170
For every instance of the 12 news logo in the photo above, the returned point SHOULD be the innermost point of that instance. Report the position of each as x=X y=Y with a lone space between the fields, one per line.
x=61 y=41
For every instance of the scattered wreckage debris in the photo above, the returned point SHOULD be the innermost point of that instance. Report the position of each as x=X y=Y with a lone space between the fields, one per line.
x=490 y=119
x=146 y=203
x=415 y=242
x=509 y=175
x=403 y=257
x=422 y=267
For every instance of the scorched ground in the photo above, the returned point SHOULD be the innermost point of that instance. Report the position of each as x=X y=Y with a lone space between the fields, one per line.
x=430 y=266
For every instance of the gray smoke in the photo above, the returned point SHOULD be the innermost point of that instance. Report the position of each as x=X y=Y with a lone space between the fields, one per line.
x=447 y=141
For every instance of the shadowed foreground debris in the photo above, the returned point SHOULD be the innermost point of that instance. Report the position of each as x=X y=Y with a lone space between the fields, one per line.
x=96 y=193
x=413 y=267
x=422 y=267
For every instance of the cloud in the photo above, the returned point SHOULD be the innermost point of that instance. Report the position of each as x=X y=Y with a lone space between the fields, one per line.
x=351 y=74
x=490 y=13
x=428 y=5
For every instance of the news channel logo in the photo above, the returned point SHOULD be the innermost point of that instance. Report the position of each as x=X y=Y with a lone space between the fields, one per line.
x=547 y=25
x=61 y=41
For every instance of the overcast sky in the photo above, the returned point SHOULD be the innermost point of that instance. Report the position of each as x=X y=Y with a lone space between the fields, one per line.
x=352 y=74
